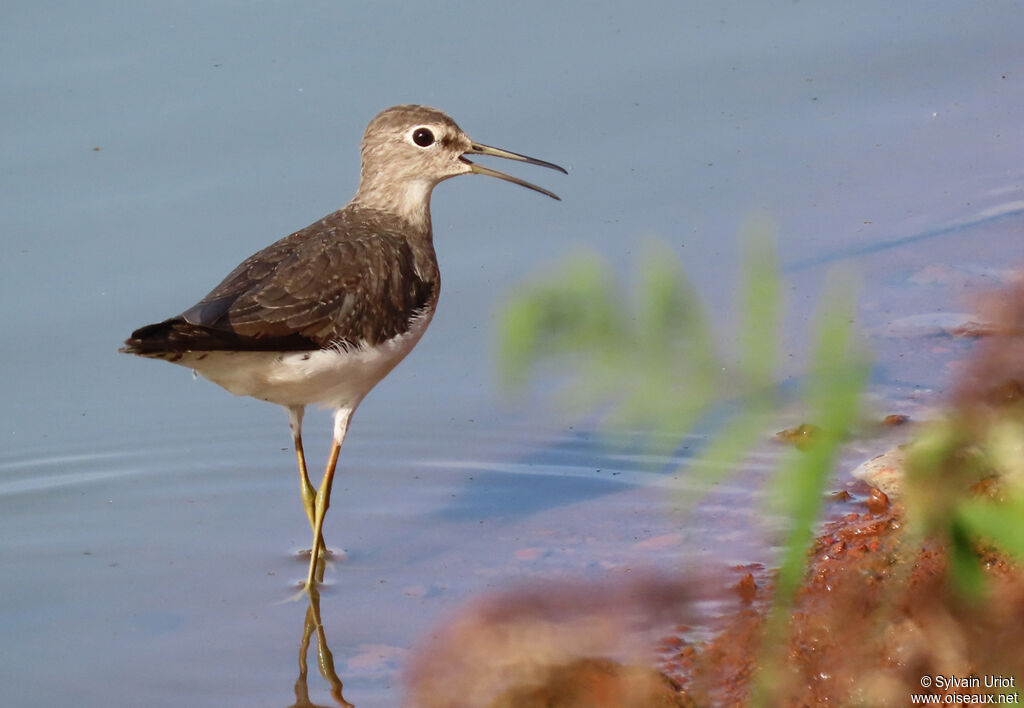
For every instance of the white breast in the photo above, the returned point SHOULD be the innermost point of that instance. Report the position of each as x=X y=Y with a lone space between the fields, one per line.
x=332 y=377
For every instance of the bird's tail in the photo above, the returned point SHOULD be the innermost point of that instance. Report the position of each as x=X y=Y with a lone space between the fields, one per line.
x=157 y=339
x=176 y=336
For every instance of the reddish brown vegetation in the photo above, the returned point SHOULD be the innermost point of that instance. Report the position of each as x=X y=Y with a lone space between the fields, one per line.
x=867 y=625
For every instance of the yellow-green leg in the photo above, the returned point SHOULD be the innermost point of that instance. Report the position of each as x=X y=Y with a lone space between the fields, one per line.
x=322 y=499
x=320 y=504
x=295 y=414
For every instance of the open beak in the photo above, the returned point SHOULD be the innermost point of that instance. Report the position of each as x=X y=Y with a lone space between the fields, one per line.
x=478 y=149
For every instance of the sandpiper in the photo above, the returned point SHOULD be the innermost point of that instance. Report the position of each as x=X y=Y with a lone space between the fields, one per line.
x=321 y=316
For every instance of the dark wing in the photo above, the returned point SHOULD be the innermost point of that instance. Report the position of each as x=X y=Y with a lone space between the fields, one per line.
x=335 y=283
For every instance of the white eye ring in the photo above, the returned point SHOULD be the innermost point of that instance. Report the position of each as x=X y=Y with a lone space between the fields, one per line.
x=422 y=136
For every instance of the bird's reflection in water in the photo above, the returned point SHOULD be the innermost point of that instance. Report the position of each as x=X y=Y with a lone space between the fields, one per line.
x=325 y=660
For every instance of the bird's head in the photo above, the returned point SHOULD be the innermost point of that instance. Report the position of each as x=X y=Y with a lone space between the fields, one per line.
x=407 y=150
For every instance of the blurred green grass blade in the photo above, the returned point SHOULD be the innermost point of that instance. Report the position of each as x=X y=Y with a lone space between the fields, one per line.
x=840 y=370
x=965 y=566
x=761 y=305
x=574 y=310
x=520 y=329
x=724 y=452
x=656 y=370
x=999 y=523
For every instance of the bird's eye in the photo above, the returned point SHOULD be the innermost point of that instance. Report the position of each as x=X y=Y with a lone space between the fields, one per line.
x=423 y=137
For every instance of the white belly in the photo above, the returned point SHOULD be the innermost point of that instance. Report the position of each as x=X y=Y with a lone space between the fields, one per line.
x=328 y=377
